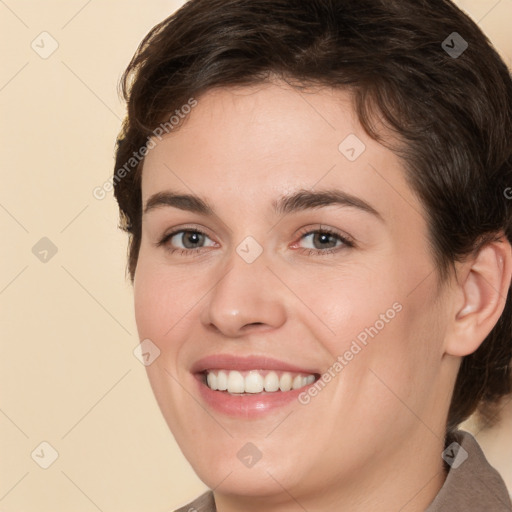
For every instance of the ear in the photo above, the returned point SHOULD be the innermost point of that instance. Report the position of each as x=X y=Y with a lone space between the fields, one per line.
x=481 y=292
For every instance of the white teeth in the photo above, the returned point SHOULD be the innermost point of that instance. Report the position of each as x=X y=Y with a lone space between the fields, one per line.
x=297 y=382
x=236 y=383
x=222 y=381
x=285 y=383
x=255 y=381
x=272 y=382
x=212 y=381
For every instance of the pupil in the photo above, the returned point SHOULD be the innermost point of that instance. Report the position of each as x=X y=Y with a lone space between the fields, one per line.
x=192 y=238
x=324 y=239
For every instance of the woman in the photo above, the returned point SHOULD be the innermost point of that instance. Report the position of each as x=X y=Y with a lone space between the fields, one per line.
x=316 y=197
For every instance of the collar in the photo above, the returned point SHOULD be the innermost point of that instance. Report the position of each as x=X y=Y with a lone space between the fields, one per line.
x=471 y=485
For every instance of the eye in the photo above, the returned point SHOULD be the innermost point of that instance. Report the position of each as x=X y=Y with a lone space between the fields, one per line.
x=186 y=241
x=323 y=241
x=319 y=241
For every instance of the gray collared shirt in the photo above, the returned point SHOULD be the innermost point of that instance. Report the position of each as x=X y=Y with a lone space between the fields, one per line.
x=472 y=484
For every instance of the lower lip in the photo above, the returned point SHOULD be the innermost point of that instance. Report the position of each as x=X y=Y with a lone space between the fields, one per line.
x=248 y=405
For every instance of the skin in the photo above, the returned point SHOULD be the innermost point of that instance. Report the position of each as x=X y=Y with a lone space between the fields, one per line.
x=372 y=438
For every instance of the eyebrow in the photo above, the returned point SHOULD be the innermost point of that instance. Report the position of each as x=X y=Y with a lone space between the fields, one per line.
x=300 y=200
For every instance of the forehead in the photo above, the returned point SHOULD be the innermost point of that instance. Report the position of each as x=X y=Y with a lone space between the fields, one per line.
x=252 y=144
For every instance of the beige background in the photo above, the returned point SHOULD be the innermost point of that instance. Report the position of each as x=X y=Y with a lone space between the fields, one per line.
x=68 y=375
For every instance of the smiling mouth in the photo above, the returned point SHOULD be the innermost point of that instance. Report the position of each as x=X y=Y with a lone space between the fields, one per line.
x=254 y=382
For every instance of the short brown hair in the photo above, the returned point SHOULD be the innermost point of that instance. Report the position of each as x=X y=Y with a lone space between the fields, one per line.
x=451 y=112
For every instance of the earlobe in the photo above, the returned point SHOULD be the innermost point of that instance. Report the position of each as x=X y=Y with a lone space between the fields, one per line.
x=483 y=284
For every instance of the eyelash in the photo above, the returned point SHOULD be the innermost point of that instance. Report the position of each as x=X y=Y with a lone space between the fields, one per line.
x=346 y=242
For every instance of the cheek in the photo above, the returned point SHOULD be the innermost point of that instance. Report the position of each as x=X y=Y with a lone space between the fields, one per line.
x=162 y=299
x=350 y=306
x=163 y=302
x=378 y=326
x=401 y=362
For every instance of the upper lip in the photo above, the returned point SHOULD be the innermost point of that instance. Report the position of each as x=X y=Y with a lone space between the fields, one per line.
x=253 y=362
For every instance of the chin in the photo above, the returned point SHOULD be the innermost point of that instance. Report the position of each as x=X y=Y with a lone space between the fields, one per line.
x=258 y=481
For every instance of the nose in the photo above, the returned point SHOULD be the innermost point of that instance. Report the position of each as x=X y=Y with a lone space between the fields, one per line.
x=247 y=297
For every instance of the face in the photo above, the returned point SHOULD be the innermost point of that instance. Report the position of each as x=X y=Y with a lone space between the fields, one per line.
x=284 y=259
